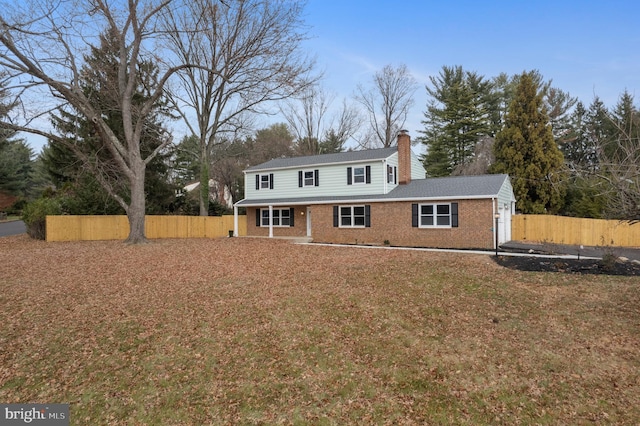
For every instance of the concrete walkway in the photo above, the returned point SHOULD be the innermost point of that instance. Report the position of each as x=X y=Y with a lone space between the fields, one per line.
x=501 y=252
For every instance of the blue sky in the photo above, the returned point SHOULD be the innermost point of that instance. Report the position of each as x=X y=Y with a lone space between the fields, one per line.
x=586 y=48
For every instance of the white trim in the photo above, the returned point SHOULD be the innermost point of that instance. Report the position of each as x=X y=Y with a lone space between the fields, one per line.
x=306 y=166
x=235 y=221
x=366 y=200
x=435 y=216
x=304 y=179
x=353 y=216
x=280 y=210
x=364 y=175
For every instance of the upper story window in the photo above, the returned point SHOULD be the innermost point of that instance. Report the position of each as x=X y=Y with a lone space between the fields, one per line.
x=358 y=175
x=391 y=174
x=264 y=181
x=308 y=178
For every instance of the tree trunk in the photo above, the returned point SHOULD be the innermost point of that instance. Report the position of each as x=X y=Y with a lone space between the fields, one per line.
x=204 y=181
x=136 y=211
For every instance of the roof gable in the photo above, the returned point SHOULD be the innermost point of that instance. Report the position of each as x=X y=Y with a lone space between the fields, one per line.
x=322 y=159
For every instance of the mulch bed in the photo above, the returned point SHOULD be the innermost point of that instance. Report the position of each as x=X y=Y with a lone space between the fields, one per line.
x=571 y=266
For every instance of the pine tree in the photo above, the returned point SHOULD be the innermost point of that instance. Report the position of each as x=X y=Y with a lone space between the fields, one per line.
x=526 y=150
x=457 y=117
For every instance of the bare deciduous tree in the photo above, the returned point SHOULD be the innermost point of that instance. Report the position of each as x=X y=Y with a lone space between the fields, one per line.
x=316 y=132
x=43 y=46
x=388 y=102
x=250 y=52
x=619 y=168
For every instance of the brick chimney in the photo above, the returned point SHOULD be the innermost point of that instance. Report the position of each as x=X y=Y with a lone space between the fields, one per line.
x=404 y=158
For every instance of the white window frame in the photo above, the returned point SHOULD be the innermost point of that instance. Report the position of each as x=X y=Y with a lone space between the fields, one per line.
x=363 y=176
x=435 y=215
x=391 y=174
x=278 y=217
x=351 y=216
x=264 y=181
x=304 y=178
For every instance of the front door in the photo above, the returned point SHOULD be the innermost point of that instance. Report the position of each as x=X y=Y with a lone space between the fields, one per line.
x=308 y=221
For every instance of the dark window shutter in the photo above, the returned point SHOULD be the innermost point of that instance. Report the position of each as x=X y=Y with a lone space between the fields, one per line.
x=291 y=216
x=348 y=175
x=316 y=174
x=335 y=216
x=454 y=215
x=300 y=179
x=395 y=175
x=258 y=217
x=414 y=215
x=368 y=174
x=367 y=215
x=271 y=181
x=257 y=182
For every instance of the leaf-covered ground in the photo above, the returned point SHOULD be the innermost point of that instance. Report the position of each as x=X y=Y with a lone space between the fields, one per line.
x=258 y=331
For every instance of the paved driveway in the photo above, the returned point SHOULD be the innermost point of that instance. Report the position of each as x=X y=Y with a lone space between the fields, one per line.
x=12 y=228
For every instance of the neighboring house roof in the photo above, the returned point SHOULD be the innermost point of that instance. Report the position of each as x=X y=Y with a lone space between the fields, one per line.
x=454 y=187
x=317 y=160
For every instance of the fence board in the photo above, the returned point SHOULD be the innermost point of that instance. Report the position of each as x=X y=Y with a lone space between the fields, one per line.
x=91 y=228
x=574 y=231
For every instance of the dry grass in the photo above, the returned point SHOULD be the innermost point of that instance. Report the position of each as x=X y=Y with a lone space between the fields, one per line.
x=254 y=331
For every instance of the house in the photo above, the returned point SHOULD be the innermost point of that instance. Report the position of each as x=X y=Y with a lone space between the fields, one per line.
x=376 y=197
x=217 y=192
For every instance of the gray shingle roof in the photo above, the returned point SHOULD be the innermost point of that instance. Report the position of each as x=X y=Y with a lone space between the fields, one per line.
x=456 y=187
x=313 y=160
x=452 y=186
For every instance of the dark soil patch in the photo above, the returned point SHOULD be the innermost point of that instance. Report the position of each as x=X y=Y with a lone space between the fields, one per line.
x=571 y=266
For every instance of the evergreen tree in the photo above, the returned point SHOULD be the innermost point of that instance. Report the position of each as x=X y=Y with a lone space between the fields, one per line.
x=526 y=150
x=92 y=188
x=16 y=167
x=457 y=116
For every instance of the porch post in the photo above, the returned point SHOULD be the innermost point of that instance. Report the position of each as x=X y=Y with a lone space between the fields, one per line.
x=270 y=221
x=235 y=220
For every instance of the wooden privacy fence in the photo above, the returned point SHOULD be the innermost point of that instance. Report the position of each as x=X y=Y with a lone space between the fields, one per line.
x=574 y=231
x=88 y=228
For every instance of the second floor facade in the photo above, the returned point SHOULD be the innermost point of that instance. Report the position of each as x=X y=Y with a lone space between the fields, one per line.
x=368 y=172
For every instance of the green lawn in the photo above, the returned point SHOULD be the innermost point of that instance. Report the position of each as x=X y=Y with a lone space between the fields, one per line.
x=256 y=331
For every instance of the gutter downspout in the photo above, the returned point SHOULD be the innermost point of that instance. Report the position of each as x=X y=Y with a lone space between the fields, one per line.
x=270 y=221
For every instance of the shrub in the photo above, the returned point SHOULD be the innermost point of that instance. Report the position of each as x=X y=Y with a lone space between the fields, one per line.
x=608 y=262
x=35 y=214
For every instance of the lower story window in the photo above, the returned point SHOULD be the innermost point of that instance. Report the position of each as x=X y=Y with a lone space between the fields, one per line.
x=352 y=216
x=281 y=217
x=436 y=215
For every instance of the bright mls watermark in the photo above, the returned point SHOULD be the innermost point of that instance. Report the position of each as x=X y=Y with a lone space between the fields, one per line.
x=34 y=414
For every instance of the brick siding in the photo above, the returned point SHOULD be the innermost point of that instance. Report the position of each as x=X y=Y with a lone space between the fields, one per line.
x=391 y=222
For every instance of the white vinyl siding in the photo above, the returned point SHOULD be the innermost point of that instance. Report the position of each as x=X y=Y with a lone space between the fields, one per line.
x=332 y=182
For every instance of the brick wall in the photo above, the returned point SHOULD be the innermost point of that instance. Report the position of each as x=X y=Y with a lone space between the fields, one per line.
x=298 y=230
x=392 y=222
